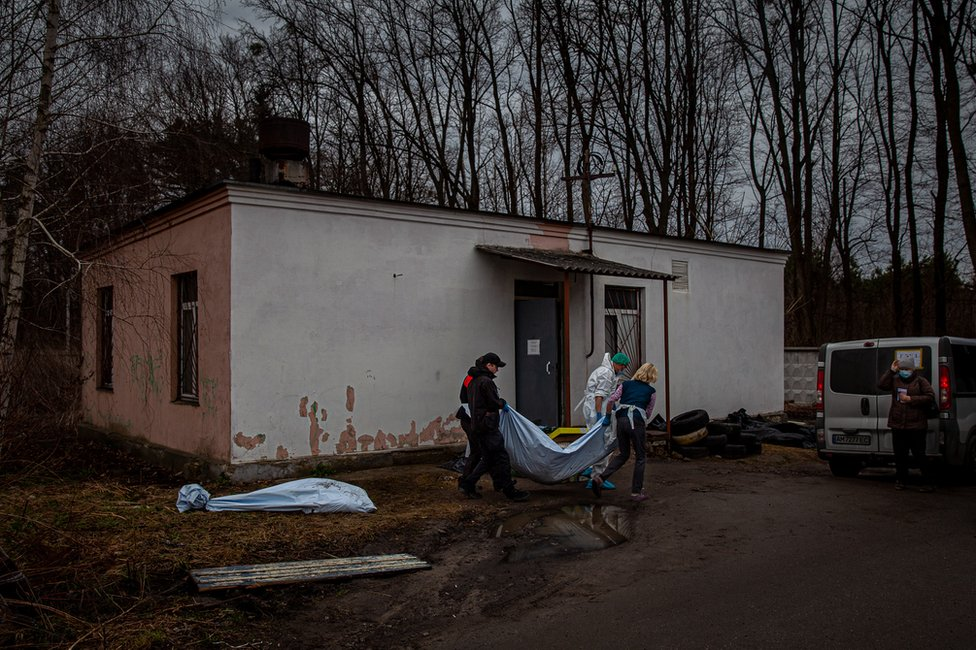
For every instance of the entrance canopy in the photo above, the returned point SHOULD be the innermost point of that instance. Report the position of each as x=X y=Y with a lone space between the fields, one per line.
x=576 y=262
x=573 y=262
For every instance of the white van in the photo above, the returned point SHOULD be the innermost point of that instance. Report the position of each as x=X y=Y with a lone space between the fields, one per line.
x=852 y=412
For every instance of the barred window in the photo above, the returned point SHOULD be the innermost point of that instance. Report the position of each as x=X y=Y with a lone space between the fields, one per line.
x=622 y=321
x=104 y=341
x=187 y=381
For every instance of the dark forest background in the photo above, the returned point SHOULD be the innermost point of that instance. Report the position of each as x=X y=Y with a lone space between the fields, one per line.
x=837 y=131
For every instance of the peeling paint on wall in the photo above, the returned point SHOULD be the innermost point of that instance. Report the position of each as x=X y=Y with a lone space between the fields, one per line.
x=281 y=453
x=551 y=237
x=384 y=440
x=449 y=435
x=429 y=432
x=410 y=439
x=439 y=431
x=347 y=439
x=452 y=427
x=316 y=433
x=249 y=442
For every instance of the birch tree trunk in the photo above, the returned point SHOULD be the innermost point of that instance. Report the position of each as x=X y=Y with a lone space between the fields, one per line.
x=17 y=238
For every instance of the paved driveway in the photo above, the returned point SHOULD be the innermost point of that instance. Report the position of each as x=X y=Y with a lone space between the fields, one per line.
x=725 y=554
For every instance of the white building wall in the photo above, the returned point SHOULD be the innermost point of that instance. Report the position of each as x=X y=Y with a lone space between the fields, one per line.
x=354 y=321
x=366 y=313
x=725 y=333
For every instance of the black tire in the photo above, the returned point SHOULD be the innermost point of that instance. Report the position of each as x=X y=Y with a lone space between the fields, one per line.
x=746 y=438
x=715 y=442
x=692 y=451
x=844 y=467
x=731 y=430
x=688 y=421
x=753 y=448
x=734 y=451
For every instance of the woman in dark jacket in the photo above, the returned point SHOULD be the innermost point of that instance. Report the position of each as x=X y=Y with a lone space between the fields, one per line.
x=636 y=399
x=911 y=398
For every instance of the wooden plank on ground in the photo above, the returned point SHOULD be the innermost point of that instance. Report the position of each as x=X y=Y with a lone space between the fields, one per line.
x=259 y=575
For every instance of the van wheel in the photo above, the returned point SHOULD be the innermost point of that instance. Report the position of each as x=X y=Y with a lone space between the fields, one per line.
x=843 y=467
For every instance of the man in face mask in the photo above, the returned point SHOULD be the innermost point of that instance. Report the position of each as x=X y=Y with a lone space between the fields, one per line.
x=911 y=397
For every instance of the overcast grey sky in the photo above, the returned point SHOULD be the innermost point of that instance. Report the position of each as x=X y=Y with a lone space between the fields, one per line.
x=234 y=11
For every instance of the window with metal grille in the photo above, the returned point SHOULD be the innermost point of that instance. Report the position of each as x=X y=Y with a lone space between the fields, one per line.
x=186 y=337
x=622 y=319
x=105 y=312
x=679 y=269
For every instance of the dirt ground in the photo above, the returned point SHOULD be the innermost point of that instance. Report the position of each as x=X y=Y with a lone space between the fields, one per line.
x=105 y=555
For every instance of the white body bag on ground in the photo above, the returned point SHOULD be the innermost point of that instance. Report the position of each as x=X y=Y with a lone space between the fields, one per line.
x=537 y=456
x=310 y=495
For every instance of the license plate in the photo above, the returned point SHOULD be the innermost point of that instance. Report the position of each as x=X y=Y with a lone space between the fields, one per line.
x=851 y=440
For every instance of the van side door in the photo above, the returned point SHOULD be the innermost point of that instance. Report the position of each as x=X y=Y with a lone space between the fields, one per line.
x=851 y=417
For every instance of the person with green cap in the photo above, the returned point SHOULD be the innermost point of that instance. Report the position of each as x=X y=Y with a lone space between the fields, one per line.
x=600 y=384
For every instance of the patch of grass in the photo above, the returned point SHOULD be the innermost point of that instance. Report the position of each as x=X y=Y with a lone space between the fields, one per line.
x=320 y=470
x=107 y=555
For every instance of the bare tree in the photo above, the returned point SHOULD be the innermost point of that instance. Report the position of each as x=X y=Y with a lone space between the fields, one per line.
x=77 y=58
x=949 y=23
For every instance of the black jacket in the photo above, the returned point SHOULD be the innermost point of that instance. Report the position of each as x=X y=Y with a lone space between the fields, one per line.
x=483 y=399
x=463 y=395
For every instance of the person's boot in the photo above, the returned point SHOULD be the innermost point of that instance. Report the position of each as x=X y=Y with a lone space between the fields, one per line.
x=469 y=491
x=516 y=494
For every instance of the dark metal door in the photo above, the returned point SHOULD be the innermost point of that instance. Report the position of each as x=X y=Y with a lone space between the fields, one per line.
x=537 y=360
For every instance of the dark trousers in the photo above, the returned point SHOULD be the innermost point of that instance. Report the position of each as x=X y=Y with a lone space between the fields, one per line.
x=494 y=460
x=627 y=437
x=474 y=451
x=905 y=441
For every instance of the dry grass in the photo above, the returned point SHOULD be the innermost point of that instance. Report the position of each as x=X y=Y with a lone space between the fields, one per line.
x=97 y=535
x=107 y=554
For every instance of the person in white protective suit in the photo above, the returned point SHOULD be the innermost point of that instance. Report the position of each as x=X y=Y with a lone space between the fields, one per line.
x=601 y=383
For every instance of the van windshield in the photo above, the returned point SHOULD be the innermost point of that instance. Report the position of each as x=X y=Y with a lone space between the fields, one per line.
x=856 y=371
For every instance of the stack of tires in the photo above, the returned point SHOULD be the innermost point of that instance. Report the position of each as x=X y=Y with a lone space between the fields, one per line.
x=688 y=431
x=695 y=435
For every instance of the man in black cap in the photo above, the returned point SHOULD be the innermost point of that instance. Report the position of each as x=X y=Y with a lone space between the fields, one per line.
x=484 y=402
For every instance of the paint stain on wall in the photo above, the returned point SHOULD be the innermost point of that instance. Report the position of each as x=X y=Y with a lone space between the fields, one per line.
x=429 y=432
x=347 y=439
x=249 y=442
x=409 y=439
x=452 y=425
x=439 y=431
x=451 y=432
x=281 y=453
x=382 y=440
x=316 y=433
x=143 y=372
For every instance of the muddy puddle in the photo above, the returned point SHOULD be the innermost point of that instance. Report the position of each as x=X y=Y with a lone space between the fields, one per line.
x=571 y=529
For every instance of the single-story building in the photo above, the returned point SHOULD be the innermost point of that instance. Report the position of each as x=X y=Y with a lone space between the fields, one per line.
x=261 y=329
